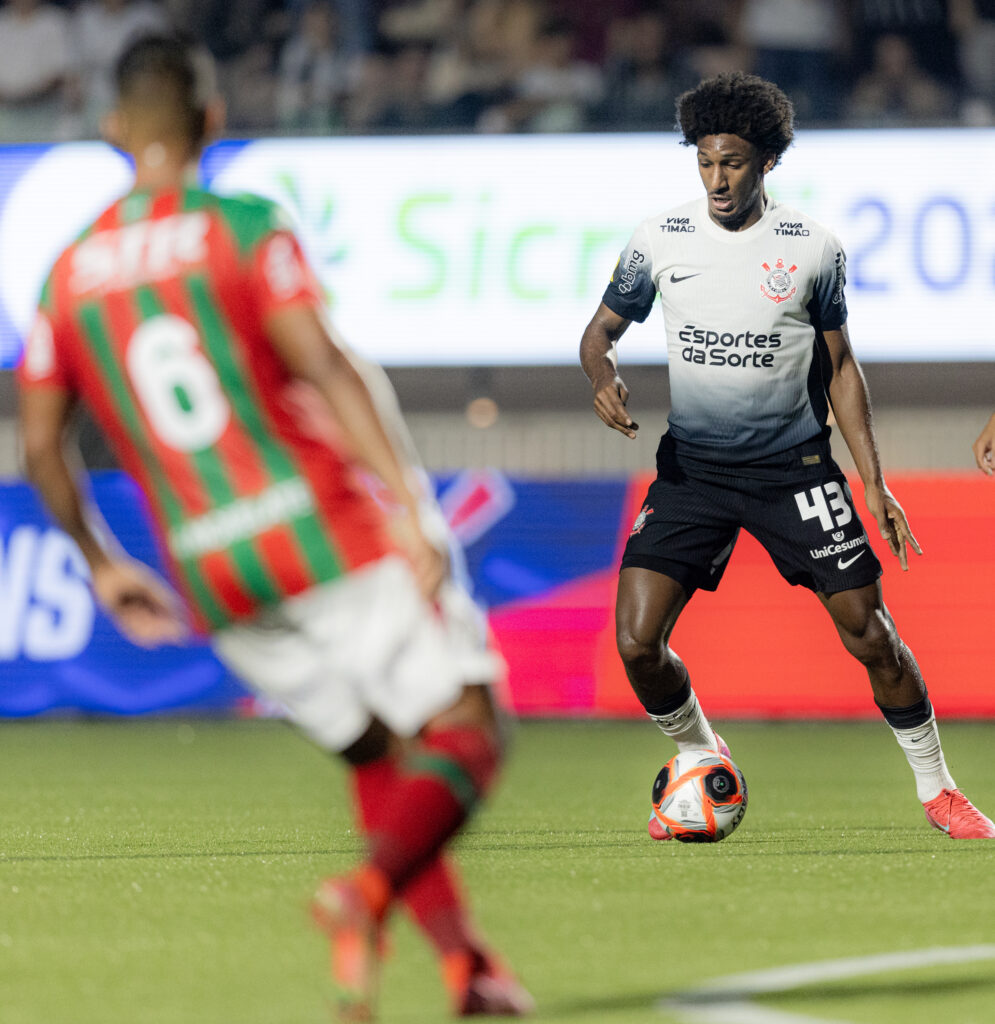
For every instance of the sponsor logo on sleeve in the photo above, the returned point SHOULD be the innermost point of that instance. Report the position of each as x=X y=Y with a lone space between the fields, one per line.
x=840 y=271
x=626 y=278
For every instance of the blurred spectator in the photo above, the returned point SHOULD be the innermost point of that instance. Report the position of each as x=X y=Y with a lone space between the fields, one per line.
x=466 y=75
x=249 y=84
x=35 y=64
x=796 y=43
x=231 y=28
x=315 y=74
x=897 y=90
x=512 y=28
x=974 y=24
x=355 y=20
x=101 y=29
x=555 y=92
x=639 y=91
x=707 y=51
x=592 y=21
x=391 y=95
x=420 y=21
x=926 y=25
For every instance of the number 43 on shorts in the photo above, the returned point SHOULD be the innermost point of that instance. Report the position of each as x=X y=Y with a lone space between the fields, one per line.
x=829 y=503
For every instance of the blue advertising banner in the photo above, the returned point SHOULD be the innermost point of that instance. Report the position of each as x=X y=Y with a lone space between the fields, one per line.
x=522 y=539
x=57 y=650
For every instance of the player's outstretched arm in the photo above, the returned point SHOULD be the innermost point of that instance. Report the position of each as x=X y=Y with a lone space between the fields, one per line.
x=597 y=357
x=852 y=405
x=141 y=605
x=984 y=448
x=311 y=354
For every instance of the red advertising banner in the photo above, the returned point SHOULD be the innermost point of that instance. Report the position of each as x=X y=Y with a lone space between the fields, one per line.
x=759 y=648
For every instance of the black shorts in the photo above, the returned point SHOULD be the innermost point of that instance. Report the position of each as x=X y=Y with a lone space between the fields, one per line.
x=796 y=503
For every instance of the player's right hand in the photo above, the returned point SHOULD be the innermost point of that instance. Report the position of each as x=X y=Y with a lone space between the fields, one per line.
x=141 y=605
x=609 y=404
x=430 y=565
x=984 y=448
x=892 y=524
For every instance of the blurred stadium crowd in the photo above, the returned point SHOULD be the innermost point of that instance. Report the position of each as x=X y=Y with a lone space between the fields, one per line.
x=382 y=66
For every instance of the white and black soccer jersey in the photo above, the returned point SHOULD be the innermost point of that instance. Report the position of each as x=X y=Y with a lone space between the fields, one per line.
x=743 y=311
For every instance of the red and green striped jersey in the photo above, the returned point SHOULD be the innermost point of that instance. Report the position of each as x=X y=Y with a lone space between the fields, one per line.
x=155 y=317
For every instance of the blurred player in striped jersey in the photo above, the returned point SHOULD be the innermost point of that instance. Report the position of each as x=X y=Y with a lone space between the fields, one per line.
x=190 y=323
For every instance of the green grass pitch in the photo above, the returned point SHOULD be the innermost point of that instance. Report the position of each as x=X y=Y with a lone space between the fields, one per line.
x=155 y=872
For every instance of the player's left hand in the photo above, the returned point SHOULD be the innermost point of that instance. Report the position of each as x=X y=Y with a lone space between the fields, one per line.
x=142 y=606
x=893 y=525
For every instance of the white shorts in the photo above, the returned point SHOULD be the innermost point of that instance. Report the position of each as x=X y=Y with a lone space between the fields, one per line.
x=364 y=646
x=469 y=636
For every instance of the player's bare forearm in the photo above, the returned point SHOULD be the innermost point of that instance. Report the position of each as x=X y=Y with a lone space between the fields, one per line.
x=597 y=358
x=852 y=406
x=44 y=414
x=310 y=354
x=851 y=403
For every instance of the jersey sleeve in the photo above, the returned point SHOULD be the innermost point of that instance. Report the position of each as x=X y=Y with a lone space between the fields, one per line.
x=43 y=362
x=281 y=275
x=828 y=304
x=632 y=291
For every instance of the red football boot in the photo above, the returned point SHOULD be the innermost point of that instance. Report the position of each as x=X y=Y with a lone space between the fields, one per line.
x=953 y=813
x=479 y=985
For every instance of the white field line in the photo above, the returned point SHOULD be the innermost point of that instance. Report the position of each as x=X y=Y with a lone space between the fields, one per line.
x=726 y=1000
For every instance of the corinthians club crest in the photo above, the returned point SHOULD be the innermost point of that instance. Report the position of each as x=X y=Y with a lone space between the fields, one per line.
x=779 y=285
x=637 y=526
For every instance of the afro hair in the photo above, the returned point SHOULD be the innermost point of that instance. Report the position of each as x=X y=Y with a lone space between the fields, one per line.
x=738 y=104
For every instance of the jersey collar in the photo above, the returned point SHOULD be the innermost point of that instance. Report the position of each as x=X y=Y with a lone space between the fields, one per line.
x=736 y=237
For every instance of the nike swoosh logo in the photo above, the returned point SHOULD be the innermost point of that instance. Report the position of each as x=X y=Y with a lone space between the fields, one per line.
x=674 y=279
x=843 y=565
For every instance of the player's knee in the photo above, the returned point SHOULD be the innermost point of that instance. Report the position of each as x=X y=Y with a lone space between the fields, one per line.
x=875 y=642
x=638 y=651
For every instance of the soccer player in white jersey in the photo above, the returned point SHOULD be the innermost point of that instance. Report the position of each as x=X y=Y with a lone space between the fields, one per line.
x=753 y=299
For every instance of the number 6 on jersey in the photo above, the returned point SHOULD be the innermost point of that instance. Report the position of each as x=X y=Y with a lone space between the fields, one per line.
x=176 y=384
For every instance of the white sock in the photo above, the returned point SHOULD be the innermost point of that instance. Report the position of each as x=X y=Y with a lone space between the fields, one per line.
x=688 y=727
x=925 y=755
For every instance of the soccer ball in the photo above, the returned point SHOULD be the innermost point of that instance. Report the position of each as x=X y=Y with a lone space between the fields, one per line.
x=699 y=796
